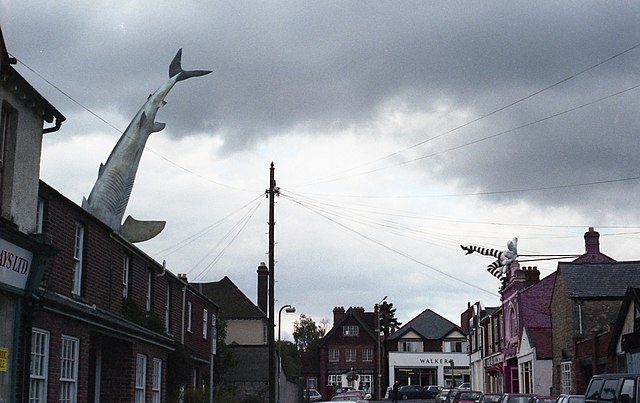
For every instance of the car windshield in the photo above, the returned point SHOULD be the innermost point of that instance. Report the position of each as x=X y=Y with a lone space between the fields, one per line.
x=519 y=399
x=469 y=395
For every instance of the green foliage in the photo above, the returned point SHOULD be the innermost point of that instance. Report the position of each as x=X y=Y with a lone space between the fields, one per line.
x=224 y=356
x=388 y=321
x=178 y=371
x=306 y=333
x=290 y=358
x=132 y=312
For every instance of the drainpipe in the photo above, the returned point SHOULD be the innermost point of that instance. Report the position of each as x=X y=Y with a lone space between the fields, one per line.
x=184 y=299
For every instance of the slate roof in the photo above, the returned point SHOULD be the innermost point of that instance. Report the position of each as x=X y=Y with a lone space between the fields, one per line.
x=233 y=303
x=429 y=325
x=535 y=303
x=632 y=296
x=600 y=280
x=365 y=319
x=540 y=338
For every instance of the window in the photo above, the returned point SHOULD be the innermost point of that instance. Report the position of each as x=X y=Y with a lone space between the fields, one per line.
x=565 y=377
x=312 y=383
x=126 y=263
x=350 y=330
x=367 y=382
x=141 y=376
x=367 y=355
x=335 y=380
x=77 y=257
x=69 y=369
x=526 y=375
x=39 y=364
x=205 y=324
x=157 y=380
x=411 y=346
x=513 y=322
x=149 y=284
x=40 y=216
x=189 y=316
x=350 y=354
x=334 y=355
x=453 y=346
x=167 y=310
x=7 y=129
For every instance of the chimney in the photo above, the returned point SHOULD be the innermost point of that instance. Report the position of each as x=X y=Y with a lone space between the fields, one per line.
x=531 y=275
x=592 y=242
x=338 y=314
x=263 y=286
x=183 y=277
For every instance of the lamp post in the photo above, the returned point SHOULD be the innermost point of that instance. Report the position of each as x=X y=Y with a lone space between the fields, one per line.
x=379 y=370
x=288 y=309
x=453 y=379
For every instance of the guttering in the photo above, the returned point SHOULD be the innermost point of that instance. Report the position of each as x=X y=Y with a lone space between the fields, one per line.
x=55 y=128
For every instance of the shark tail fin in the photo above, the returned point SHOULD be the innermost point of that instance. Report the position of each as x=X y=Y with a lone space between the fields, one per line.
x=140 y=231
x=176 y=68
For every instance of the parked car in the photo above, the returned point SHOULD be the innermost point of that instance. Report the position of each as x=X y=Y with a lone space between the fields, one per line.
x=467 y=396
x=544 y=399
x=442 y=396
x=516 y=398
x=353 y=396
x=435 y=389
x=312 y=395
x=414 y=392
x=570 y=399
x=612 y=388
x=465 y=385
x=342 y=389
x=490 y=397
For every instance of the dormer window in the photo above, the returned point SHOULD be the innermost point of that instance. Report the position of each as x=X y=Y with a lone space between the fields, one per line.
x=350 y=330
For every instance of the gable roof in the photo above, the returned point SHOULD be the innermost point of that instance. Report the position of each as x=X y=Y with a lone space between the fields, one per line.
x=599 y=280
x=535 y=303
x=429 y=325
x=234 y=304
x=540 y=338
x=366 y=320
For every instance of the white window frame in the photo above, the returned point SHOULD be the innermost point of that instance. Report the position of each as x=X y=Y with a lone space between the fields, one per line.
x=367 y=382
x=411 y=346
x=69 y=350
x=40 y=216
x=367 y=355
x=126 y=265
x=565 y=377
x=350 y=355
x=334 y=355
x=76 y=287
x=335 y=380
x=189 y=317
x=39 y=366
x=141 y=378
x=526 y=377
x=156 y=386
x=350 y=330
x=205 y=324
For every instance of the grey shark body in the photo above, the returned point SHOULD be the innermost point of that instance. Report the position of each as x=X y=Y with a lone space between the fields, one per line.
x=110 y=194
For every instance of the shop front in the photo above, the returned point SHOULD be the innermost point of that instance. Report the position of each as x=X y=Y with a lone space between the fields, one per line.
x=432 y=368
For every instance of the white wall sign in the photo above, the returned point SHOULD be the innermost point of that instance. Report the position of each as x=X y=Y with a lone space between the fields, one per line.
x=15 y=264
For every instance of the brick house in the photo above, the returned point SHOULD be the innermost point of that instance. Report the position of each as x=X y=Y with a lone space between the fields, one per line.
x=349 y=350
x=484 y=329
x=527 y=330
x=428 y=350
x=23 y=252
x=112 y=324
x=587 y=297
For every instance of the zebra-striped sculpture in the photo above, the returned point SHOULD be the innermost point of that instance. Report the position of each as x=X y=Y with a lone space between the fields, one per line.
x=504 y=258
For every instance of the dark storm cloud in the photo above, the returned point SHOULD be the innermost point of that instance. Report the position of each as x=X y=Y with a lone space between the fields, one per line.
x=279 y=66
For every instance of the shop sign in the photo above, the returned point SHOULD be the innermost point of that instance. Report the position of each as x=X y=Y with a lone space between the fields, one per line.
x=15 y=264
x=4 y=359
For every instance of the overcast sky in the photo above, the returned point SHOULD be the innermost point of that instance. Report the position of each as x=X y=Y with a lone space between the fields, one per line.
x=398 y=130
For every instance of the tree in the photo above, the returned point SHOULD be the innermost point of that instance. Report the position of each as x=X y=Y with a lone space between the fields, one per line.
x=388 y=321
x=306 y=333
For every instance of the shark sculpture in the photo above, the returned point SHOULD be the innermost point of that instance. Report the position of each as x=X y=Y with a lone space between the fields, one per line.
x=110 y=194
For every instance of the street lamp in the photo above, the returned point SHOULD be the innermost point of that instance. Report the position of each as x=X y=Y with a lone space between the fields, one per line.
x=288 y=309
x=379 y=358
x=453 y=378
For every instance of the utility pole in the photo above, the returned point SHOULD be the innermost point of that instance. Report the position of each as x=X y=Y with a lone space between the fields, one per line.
x=271 y=193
